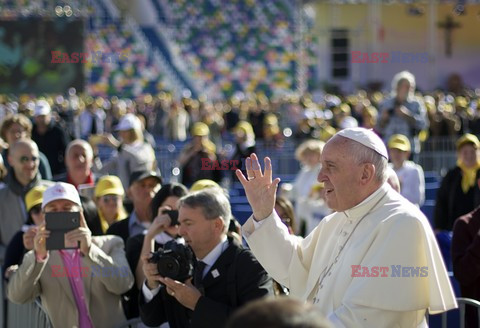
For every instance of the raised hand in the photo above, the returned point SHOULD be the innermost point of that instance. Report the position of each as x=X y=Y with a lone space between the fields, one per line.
x=28 y=237
x=40 y=241
x=160 y=223
x=81 y=235
x=259 y=187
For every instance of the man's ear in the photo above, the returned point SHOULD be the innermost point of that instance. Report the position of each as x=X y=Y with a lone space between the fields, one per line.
x=368 y=173
x=219 y=224
x=129 y=192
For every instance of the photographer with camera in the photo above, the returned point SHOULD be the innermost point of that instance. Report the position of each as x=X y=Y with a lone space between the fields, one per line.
x=205 y=290
x=163 y=204
x=79 y=282
x=403 y=112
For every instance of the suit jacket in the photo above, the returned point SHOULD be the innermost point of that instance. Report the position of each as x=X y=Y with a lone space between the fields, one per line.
x=222 y=294
x=102 y=291
x=341 y=275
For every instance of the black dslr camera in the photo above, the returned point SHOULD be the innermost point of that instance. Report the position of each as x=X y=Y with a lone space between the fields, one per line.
x=174 y=261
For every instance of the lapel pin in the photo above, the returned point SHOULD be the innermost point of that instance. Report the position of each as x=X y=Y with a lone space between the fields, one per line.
x=215 y=273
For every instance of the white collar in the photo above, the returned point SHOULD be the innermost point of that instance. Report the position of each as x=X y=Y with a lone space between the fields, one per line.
x=361 y=209
x=215 y=253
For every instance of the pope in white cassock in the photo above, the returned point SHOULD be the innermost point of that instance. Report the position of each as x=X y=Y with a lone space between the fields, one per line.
x=374 y=262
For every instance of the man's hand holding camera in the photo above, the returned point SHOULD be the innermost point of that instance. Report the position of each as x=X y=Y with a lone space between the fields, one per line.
x=28 y=238
x=40 y=242
x=81 y=235
x=185 y=293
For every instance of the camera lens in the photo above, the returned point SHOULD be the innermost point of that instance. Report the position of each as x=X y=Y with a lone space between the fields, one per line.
x=168 y=267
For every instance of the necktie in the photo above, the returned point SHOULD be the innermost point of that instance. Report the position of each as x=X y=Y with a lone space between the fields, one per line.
x=93 y=129
x=198 y=275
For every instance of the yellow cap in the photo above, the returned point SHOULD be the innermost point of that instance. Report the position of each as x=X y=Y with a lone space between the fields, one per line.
x=200 y=129
x=400 y=142
x=461 y=102
x=202 y=184
x=468 y=139
x=109 y=185
x=344 y=108
x=270 y=119
x=34 y=197
x=245 y=127
x=327 y=132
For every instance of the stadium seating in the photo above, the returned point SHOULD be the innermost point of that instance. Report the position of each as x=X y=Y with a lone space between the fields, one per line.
x=238 y=45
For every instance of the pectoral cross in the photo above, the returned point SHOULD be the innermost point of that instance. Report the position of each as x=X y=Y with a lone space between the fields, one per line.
x=449 y=24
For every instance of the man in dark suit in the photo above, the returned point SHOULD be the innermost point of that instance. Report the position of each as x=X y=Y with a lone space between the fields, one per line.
x=226 y=276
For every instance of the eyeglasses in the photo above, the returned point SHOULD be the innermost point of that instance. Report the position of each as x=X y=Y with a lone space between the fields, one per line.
x=25 y=159
x=36 y=209
x=110 y=198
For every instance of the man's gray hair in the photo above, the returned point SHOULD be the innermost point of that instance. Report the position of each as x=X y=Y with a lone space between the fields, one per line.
x=362 y=154
x=213 y=203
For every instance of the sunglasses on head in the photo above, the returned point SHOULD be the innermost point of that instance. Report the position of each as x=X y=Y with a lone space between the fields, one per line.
x=25 y=159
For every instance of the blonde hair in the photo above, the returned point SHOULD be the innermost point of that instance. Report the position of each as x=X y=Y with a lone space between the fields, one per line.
x=309 y=146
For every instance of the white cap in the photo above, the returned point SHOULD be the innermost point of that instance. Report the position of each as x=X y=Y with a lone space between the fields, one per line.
x=42 y=107
x=366 y=137
x=61 y=190
x=129 y=122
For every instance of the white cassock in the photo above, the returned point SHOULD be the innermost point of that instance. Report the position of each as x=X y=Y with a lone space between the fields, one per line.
x=391 y=233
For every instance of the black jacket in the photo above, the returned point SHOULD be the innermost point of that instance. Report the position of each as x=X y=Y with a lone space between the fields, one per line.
x=120 y=229
x=451 y=202
x=240 y=279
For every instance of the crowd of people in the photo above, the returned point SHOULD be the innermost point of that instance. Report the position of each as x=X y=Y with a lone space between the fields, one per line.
x=128 y=210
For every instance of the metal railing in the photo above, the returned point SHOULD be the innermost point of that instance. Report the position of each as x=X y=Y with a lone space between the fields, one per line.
x=462 y=303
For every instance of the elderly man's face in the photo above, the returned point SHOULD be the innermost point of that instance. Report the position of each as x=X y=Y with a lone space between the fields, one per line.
x=341 y=175
x=78 y=159
x=25 y=161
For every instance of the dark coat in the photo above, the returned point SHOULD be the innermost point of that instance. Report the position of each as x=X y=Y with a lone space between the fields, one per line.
x=120 y=229
x=240 y=279
x=452 y=202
